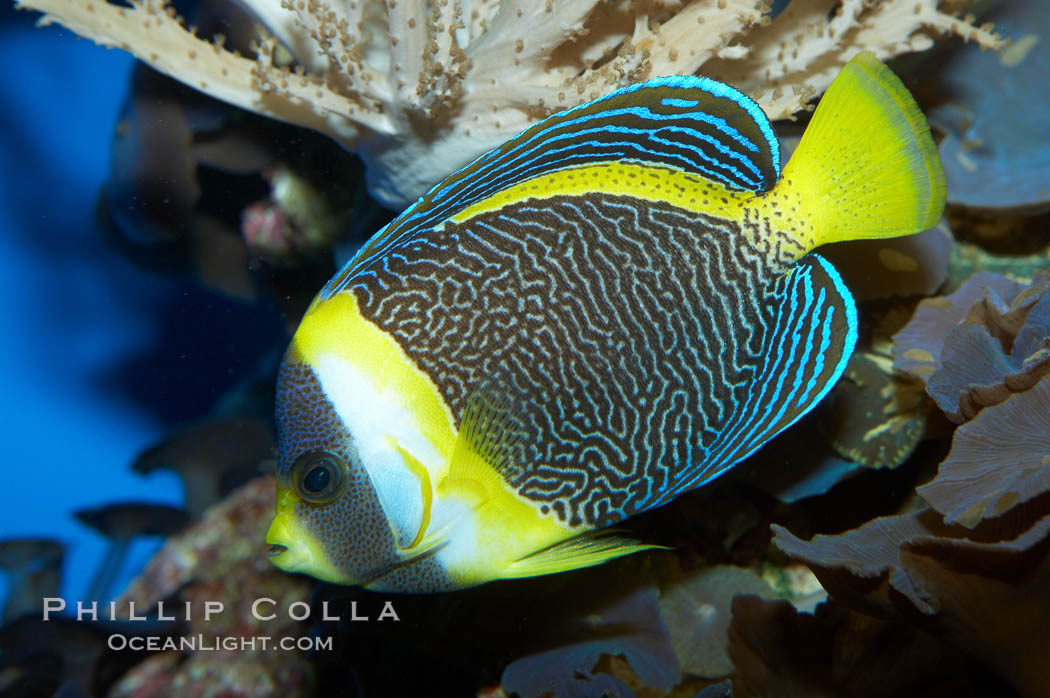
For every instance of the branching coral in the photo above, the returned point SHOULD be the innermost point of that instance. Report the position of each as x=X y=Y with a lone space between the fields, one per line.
x=420 y=88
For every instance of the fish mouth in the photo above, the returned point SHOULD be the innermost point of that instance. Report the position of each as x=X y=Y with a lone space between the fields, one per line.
x=289 y=556
x=285 y=549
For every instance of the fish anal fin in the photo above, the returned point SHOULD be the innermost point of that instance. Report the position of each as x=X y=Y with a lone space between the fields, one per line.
x=584 y=550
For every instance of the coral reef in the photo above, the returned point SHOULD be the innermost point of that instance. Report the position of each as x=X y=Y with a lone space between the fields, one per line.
x=968 y=561
x=799 y=463
x=969 y=567
x=977 y=346
x=121 y=523
x=211 y=458
x=418 y=88
x=781 y=653
x=288 y=198
x=872 y=417
x=39 y=658
x=894 y=542
x=982 y=590
x=906 y=266
x=917 y=347
x=998 y=460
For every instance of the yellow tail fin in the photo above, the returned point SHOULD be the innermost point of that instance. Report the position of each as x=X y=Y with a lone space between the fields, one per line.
x=867 y=166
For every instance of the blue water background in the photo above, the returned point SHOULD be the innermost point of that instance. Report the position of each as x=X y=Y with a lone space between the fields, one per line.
x=100 y=357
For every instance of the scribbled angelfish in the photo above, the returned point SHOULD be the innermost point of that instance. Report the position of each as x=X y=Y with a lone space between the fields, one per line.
x=612 y=308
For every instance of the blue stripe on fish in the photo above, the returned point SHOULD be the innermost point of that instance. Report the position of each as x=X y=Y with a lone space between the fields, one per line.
x=675 y=102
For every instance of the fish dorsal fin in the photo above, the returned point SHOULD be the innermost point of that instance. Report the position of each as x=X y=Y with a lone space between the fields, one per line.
x=685 y=123
x=585 y=550
x=808 y=344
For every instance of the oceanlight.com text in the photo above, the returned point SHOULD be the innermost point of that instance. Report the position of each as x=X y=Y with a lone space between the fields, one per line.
x=208 y=643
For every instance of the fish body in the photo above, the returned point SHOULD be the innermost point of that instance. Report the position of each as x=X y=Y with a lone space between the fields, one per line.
x=610 y=309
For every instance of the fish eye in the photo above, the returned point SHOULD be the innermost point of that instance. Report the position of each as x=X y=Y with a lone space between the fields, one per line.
x=318 y=476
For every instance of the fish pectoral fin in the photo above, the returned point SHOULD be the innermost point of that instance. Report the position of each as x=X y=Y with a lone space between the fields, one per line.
x=584 y=550
x=488 y=446
x=425 y=545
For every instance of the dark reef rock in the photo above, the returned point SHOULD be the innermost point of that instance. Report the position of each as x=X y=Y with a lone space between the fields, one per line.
x=983 y=590
x=781 y=653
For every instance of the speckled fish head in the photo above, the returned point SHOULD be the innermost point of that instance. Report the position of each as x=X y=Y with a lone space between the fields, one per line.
x=330 y=522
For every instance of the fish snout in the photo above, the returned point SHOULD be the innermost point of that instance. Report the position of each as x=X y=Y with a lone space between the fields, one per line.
x=286 y=549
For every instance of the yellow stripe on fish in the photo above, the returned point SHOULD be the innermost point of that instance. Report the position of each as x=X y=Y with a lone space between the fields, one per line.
x=612 y=308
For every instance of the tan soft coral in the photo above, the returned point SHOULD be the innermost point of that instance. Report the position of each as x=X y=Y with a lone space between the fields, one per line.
x=419 y=88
